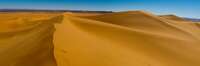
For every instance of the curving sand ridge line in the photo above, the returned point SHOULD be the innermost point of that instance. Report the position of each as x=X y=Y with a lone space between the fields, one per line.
x=173 y=17
x=125 y=39
x=11 y=22
x=132 y=38
x=140 y=20
x=27 y=40
x=133 y=29
x=191 y=27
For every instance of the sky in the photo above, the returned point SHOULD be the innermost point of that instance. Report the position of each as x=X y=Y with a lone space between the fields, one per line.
x=183 y=8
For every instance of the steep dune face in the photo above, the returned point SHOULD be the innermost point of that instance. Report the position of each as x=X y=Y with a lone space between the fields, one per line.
x=189 y=26
x=26 y=39
x=125 y=39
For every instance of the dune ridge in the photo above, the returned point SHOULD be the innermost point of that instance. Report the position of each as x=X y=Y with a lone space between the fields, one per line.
x=27 y=40
x=131 y=38
x=173 y=17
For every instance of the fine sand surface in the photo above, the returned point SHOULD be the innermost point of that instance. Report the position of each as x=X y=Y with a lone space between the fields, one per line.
x=132 y=38
x=26 y=39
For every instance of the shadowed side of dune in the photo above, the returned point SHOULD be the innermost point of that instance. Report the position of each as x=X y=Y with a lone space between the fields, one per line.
x=173 y=17
x=27 y=41
x=142 y=21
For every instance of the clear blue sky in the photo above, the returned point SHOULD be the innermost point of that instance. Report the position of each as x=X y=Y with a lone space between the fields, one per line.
x=185 y=8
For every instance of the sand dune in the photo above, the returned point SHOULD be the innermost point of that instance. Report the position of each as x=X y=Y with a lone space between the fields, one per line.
x=27 y=40
x=132 y=38
x=173 y=17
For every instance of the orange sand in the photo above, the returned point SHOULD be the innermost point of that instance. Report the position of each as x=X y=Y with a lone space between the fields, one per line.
x=133 y=38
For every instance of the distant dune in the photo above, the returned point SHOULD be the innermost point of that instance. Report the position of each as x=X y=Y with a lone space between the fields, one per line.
x=193 y=19
x=85 y=13
x=132 y=38
x=40 y=10
x=173 y=17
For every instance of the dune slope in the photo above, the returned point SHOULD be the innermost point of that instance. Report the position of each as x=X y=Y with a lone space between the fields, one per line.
x=173 y=17
x=27 y=40
x=133 y=38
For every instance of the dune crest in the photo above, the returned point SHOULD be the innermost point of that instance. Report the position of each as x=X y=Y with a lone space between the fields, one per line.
x=27 y=40
x=173 y=17
x=131 y=38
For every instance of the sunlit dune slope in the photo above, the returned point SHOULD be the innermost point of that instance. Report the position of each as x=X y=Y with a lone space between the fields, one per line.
x=132 y=38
